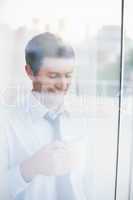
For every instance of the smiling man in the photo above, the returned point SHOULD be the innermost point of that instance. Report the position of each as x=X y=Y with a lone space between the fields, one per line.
x=50 y=63
x=47 y=146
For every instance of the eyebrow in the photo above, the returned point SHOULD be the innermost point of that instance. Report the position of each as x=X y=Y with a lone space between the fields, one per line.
x=53 y=72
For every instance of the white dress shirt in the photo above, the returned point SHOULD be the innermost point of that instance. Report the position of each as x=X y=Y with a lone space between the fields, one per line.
x=26 y=131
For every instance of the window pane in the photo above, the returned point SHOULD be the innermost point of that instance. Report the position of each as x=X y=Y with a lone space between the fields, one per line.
x=93 y=29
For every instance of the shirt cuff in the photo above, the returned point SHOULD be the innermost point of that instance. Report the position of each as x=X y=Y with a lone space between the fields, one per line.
x=16 y=181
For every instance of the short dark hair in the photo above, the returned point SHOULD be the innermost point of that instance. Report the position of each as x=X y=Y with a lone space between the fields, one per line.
x=46 y=45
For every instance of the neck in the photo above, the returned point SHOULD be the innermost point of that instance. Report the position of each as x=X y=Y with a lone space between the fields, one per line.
x=50 y=100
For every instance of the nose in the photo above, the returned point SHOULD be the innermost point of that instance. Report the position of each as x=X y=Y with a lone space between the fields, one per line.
x=62 y=84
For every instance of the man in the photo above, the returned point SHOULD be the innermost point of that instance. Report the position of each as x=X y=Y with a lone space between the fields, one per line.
x=46 y=145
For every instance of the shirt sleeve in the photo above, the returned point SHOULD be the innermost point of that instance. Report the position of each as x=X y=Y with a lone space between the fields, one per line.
x=12 y=183
x=16 y=182
x=4 y=187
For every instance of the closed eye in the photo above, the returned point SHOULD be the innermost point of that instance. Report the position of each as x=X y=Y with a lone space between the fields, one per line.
x=69 y=75
x=53 y=75
x=57 y=75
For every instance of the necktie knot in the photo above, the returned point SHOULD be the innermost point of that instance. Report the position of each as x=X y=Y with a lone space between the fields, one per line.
x=52 y=116
x=54 y=121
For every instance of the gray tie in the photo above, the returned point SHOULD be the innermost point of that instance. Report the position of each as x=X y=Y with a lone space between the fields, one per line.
x=63 y=183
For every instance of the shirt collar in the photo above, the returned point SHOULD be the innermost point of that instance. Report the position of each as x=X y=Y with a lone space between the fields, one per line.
x=38 y=110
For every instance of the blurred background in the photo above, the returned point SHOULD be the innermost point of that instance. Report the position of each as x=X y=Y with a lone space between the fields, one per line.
x=94 y=30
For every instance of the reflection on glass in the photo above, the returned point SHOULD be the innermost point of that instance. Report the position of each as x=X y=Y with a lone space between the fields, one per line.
x=95 y=34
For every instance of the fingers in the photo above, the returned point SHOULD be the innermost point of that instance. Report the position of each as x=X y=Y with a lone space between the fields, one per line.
x=59 y=158
x=59 y=145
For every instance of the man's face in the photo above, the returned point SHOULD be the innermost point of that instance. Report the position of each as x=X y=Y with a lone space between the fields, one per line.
x=54 y=77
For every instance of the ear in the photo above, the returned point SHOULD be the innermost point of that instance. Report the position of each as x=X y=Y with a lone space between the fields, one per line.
x=29 y=72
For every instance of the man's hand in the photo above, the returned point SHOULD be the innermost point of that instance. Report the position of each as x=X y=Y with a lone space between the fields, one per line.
x=54 y=159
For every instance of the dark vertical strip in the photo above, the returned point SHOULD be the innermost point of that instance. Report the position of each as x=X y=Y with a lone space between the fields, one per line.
x=120 y=96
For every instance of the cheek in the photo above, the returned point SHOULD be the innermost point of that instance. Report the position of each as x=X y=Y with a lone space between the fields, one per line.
x=48 y=83
x=45 y=81
x=69 y=81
